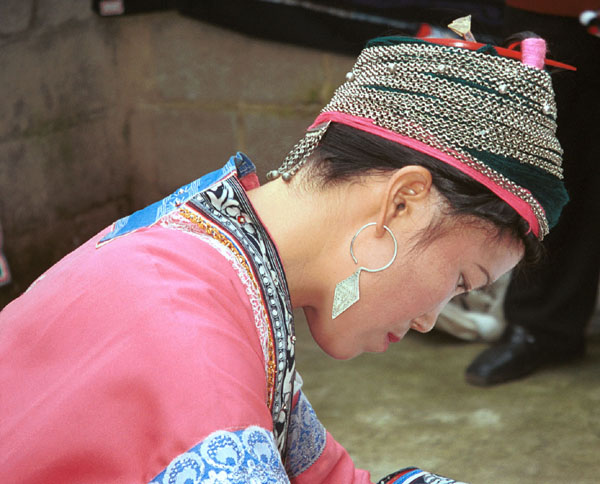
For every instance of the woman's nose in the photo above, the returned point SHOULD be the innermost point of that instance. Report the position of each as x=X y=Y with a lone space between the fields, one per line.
x=425 y=323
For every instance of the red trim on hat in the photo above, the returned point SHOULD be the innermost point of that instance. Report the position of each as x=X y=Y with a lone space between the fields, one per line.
x=368 y=125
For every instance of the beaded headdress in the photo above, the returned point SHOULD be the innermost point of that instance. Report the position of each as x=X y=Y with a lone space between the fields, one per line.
x=490 y=116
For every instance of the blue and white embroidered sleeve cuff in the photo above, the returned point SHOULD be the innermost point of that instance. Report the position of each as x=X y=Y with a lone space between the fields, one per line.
x=306 y=438
x=248 y=456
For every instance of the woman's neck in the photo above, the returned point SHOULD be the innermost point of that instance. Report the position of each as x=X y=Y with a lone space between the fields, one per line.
x=308 y=226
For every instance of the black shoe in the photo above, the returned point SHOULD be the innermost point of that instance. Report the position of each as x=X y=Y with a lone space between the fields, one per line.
x=517 y=354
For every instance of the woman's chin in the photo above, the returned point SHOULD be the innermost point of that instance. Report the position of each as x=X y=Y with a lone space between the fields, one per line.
x=335 y=345
x=337 y=350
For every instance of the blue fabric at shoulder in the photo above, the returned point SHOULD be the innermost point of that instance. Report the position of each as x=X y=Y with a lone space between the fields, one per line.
x=152 y=213
x=242 y=457
x=243 y=164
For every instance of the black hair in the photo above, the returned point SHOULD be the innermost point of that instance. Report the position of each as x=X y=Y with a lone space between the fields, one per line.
x=346 y=154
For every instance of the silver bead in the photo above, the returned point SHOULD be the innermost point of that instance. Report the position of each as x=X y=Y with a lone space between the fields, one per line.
x=293 y=339
x=350 y=76
x=287 y=176
x=502 y=88
x=441 y=68
x=546 y=109
x=272 y=175
x=392 y=69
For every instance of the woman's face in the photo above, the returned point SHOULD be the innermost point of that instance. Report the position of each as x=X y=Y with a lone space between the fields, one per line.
x=411 y=293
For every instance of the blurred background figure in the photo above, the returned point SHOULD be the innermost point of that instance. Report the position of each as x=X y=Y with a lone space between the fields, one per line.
x=476 y=315
x=549 y=308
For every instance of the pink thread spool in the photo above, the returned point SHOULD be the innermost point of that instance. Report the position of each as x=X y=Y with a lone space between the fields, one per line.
x=534 y=52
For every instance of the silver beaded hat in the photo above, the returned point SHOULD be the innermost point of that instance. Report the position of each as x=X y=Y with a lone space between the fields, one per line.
x=487 y=113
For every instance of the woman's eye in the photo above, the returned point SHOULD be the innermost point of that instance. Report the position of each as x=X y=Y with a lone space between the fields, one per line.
x=462 y=284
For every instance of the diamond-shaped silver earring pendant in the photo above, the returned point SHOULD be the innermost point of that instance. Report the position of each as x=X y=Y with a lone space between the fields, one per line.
x=347 y=292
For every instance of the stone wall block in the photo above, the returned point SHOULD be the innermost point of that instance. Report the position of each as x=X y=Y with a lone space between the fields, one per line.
x=52 y=13
x=172 y=146
x=201 y=63
x=50 y=82
x=57 y=177
x=281 y=74
x=196 y=62
x=23 y=190
x=15 y=16
x=135 y=58
x=168 y=57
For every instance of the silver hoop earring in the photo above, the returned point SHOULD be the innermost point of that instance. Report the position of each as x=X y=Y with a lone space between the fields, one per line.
x=347 y=292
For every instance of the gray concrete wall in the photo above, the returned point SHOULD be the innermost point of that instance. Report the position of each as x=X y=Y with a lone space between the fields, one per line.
x=101 y=116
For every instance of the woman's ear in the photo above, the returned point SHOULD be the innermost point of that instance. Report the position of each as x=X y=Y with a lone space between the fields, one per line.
x=407 y=186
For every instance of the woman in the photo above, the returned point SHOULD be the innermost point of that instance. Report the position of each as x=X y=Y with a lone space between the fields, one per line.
x=163 y=349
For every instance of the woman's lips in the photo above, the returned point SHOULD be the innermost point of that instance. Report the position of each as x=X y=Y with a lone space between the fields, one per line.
x=393 y=338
